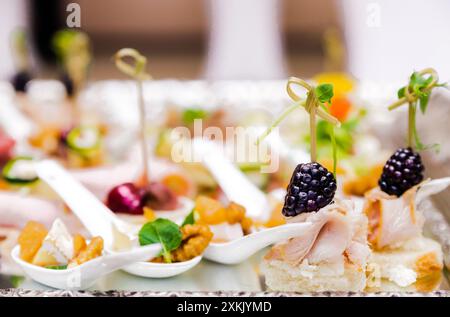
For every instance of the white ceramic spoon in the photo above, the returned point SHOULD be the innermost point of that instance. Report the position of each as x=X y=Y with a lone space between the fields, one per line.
x=13 y=121
x=236 y=186
x=99 y=220
x=241 y=249
x=85 y=275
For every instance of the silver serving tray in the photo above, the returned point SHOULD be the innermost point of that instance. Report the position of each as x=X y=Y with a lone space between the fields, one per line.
x=208 y=278
x=212 y=279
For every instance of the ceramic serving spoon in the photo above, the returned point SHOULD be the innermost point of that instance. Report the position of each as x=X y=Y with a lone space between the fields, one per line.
x=85 y=275
x=241 y=249
x=99 y=220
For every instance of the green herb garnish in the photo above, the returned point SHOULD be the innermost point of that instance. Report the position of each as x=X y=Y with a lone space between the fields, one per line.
x=161 y=231
x=190 y=115
x=417 y=94
x=16 y=280
x=190 y=219
x=314 y=105
x=56 y=267
x=324 y=92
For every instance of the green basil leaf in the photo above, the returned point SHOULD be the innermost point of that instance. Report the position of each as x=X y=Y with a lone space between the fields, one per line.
x=190 y=219
x=324 y=92
x=161 y=231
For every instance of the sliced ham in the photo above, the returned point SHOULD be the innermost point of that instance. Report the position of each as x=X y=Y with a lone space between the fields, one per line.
x=392 y=220
x=337 y=232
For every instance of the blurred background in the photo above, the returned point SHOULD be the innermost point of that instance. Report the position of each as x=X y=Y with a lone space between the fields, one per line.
x=243 y=39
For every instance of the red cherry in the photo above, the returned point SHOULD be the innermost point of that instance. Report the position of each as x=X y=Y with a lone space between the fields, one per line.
x=126 y=198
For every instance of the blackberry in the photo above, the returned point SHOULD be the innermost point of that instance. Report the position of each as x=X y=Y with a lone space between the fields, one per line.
x=311 y=187
x=20 y=81
x=403 y=170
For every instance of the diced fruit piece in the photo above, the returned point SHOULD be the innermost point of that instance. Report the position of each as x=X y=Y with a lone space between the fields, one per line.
x=328 y=164
x=149 y=214
x=178 y=184
x=342 y=82
x=235 y=213
x=360 y=184
x=79 y=243
x=340 y=108
x=93 y=249
x=30 y=240
x=210 y=210
x=311 y=187
x=276 y=217
x=403 y=170
x=47 y=139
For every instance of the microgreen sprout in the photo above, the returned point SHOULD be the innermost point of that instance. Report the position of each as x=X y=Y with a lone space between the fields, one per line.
x=417 y=93
x=314 y=104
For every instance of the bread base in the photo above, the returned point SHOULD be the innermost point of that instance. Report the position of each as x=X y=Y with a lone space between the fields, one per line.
x=415 y=266
x=281 y=276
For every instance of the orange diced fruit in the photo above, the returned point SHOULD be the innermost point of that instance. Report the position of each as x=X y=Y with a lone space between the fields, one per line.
x=91 y=251
x=79 y=243
x=276 y=217
x=235 y=213
x=340 y=108
x=210 y=211
x=149 y=214
x=30 y=240
x=177 y=183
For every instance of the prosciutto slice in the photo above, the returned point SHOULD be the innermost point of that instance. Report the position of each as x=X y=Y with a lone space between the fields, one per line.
x=392 y=220
x=337 y=232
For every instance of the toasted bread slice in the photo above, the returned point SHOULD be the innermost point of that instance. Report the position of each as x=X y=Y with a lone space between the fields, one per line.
x=414 y=266
x=281 y=276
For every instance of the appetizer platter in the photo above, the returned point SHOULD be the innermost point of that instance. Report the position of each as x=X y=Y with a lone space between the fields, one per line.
x=339 y=213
